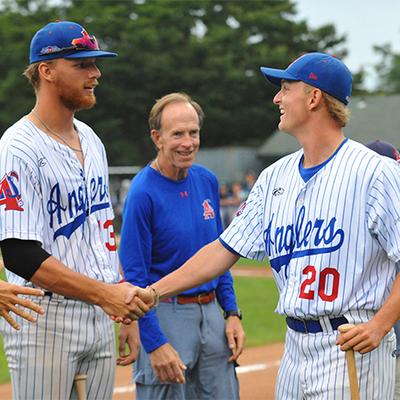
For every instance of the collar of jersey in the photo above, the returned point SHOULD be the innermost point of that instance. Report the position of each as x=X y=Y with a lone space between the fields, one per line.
x=308 y=173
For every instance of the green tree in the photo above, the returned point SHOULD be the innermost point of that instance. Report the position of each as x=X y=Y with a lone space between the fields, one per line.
x=209 y=49
x=387 y=69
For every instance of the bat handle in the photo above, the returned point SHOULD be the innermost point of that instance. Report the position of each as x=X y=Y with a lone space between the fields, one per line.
x=80 y=386
x=351 y=366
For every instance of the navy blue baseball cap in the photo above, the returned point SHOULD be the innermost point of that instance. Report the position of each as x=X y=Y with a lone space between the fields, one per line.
x=384 y=149
x=64 y=39
x=319 y=70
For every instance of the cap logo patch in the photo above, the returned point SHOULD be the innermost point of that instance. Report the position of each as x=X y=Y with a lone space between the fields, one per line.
x=313 y=76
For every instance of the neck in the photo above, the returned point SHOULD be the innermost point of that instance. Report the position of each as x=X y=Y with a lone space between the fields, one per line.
x=59 y=119
x=319 y=142
x=173 y=173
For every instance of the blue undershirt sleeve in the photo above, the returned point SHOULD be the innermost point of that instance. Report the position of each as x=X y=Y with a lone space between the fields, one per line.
x=135 y=255
x=225 y=293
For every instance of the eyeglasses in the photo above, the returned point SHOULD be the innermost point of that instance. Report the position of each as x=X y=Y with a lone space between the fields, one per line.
x=85 y=42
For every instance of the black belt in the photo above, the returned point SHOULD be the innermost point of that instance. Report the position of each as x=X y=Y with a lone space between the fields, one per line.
x=313 y=325
x=50 y=294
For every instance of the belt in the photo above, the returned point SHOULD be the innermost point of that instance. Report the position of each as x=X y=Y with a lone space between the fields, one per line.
x=51 y=294
x=201 y=298
x=313 y=325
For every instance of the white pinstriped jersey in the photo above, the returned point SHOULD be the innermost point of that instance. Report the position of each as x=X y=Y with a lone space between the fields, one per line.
x=332 y=242
x=46 y=195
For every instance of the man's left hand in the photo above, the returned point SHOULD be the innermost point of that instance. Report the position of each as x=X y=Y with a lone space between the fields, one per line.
x=235 y=336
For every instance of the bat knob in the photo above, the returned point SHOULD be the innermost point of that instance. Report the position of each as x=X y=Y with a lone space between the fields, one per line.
x=345 y=328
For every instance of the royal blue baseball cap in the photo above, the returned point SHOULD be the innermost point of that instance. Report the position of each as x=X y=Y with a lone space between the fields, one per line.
x=64 y=39
x=384 y=149
x=319 y=70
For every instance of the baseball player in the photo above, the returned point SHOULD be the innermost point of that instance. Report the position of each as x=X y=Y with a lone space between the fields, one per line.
x=56 y=227
x=328 y=219
x=387 y=150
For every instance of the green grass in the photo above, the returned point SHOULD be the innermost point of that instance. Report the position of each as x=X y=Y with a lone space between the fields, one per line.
x=257 y=297
x=245 y=262
x=4 y=374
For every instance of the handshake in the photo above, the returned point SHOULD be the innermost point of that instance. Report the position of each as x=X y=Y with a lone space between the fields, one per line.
x=125 y=303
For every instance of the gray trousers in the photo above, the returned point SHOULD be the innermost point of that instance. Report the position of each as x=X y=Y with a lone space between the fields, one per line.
x=71 y=337
x=197 y=332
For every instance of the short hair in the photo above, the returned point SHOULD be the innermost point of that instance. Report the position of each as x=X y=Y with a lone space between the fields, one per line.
x=160 y=104
x=337 y=110
x=31 y=72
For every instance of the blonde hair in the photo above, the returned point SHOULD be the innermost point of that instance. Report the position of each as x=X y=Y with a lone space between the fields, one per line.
x=160 y=104
x=337 y=110
x=31 y=72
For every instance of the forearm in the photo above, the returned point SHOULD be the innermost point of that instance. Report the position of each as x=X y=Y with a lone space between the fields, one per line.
x=208 y=263
x=54 y=276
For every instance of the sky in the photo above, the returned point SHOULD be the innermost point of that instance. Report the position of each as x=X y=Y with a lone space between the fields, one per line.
x=364 y=22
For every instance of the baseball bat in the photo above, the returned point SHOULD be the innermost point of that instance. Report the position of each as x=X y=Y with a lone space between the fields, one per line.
x=80 y=386
x=351 y=366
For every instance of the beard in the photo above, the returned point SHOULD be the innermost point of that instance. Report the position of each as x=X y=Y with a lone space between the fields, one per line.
x=75 y=99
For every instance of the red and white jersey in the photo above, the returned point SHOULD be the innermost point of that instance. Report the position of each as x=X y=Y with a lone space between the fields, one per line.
x=332 y=241
x=46 y=195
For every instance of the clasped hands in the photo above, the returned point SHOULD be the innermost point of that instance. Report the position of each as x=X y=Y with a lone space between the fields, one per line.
x=137 y=301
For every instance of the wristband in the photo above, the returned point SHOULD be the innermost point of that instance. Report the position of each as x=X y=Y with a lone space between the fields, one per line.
x=155 y=294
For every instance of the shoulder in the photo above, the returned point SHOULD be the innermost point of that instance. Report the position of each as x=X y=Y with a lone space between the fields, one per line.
x=367 y=161
x=282 y=166
x=88 y=132
x=142 y=183
x=202 y=172
x=20 y=140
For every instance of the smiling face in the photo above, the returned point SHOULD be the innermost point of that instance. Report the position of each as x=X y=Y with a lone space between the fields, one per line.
x=178 y=139
x=74 y=82
x=293 y=101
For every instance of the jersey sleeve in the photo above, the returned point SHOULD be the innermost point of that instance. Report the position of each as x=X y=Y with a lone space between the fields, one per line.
x=383 y=210
x=135 y=256
x=21 y=211
x=244 y=236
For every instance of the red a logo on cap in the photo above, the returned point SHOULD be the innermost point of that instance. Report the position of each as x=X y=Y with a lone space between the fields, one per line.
x=313 y=76
x=9 y=194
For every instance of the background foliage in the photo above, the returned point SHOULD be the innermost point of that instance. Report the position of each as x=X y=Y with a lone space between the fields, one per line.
x=210 y=49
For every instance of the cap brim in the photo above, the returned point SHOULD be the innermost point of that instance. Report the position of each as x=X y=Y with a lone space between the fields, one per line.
x=275 y=76
x=90 y=54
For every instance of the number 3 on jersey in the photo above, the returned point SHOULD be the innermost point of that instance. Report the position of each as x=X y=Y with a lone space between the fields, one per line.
x=326 y=275
x=111 y=244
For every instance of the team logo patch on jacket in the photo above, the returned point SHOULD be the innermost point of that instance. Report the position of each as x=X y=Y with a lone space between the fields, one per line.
x=9 y=193
x=208 y=211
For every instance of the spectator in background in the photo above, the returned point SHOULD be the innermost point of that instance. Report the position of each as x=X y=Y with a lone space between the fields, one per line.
x=224 y=204
x=249 y=181
x=387 y=150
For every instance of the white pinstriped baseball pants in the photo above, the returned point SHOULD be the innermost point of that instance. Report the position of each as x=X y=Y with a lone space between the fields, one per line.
x=72 y=337
x=314 y=368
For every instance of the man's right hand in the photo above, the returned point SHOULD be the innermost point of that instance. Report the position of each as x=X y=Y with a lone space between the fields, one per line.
x=167 y=364
x=9 y=300
x=128 y=336
x=125 y=302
